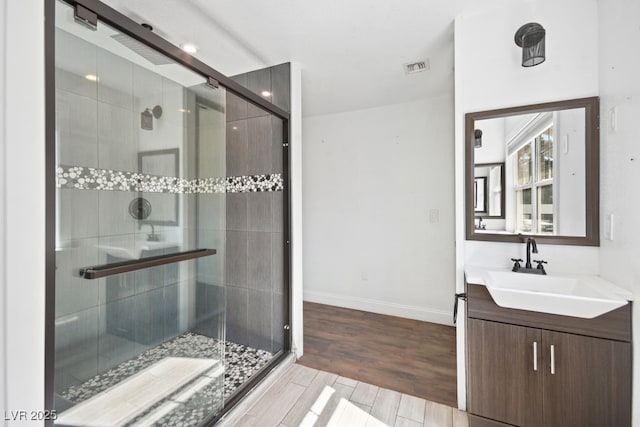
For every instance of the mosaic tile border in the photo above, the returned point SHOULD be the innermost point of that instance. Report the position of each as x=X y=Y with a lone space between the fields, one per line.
x=86 y=178
x=254 y=183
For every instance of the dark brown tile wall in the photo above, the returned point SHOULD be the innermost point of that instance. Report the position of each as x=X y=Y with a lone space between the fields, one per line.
x=254 y=246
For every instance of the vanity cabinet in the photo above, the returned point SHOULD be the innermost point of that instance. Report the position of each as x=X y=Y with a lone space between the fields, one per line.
x=536 y=369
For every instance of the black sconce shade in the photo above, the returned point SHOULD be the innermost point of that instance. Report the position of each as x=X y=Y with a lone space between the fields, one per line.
x=477 y=138
x=530 y=37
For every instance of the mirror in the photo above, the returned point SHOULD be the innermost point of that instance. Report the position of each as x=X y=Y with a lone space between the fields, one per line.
x=534 y=171
x=163 y=208
x=488 y=194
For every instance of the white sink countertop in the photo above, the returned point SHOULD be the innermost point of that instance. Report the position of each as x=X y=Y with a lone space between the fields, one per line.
x=577 y=295
x=134 y=250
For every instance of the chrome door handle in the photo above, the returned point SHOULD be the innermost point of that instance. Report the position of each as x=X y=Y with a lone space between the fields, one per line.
x=553 y=360
x=535 y=355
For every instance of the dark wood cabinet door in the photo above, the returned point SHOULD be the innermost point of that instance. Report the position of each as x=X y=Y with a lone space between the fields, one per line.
x=502 y=382
x=591 y=383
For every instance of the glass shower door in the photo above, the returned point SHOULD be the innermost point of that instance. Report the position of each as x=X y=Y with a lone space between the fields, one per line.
x=140 y=313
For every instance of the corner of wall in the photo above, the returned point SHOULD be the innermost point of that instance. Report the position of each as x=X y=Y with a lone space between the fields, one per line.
x=459 y=213
x=3 y=231
x=23 y=245
x=295 y=142
x=619 y=88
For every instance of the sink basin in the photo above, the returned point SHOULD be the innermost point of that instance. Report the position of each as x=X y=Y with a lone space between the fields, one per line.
x=567 y=295
x=134 y=250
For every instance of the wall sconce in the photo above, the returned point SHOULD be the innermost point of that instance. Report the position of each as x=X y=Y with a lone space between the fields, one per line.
x=146 y=117
x=530 y=37
x=477 y=138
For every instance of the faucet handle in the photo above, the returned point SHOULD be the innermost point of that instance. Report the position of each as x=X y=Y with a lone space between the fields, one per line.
x=540 y=262
x=516 y=264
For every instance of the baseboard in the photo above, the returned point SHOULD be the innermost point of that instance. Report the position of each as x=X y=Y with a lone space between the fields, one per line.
x=381 y=307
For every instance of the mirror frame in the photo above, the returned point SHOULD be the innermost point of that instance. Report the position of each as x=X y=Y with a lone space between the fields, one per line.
x=592 y=172
x=502 y=196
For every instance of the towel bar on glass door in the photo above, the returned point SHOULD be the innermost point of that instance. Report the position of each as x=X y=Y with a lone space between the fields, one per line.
x=104 y=270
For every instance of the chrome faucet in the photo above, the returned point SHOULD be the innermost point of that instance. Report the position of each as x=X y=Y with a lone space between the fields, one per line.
x=153 y=237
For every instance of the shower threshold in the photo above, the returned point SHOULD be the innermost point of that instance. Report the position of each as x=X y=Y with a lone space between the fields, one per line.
x=123 y=402
x=175 y=383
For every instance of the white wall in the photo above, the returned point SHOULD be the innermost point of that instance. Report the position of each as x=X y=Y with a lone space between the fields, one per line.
x=23 y=179
x=295 y=210
x=570 y=172
x=3 y=246
x=378 y=209
x=488 y=75
x=492 y=151
x=493 y=141
x=620 y=89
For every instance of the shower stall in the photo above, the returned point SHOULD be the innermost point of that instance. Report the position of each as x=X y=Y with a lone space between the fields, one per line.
x=168 y=225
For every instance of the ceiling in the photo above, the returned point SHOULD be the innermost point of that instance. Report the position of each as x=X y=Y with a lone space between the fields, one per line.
x=351 y=52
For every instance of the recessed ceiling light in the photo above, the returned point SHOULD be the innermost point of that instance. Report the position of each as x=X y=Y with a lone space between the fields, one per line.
x=189 y=48
x=266 y=93
x=235 y=128
x=91 y=77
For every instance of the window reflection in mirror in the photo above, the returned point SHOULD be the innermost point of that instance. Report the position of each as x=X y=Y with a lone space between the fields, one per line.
x=535 y=203
x=548 y=188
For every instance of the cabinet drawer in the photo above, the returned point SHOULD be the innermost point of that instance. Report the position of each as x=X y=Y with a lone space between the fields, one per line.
x=615 y=325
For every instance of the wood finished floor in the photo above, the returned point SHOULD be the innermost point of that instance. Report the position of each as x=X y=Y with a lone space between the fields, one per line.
x=307 y=397
x=408 y=356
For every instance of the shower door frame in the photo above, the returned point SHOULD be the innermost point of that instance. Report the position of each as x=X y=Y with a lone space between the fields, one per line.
x=120 y=22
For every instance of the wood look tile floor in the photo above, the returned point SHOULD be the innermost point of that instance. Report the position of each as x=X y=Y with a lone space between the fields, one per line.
x=408 y=356
x=308 y=397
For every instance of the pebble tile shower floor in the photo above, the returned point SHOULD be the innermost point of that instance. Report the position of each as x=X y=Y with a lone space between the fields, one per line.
x=240 y=363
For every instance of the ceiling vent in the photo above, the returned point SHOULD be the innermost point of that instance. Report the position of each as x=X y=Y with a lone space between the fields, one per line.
x=416 y=67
